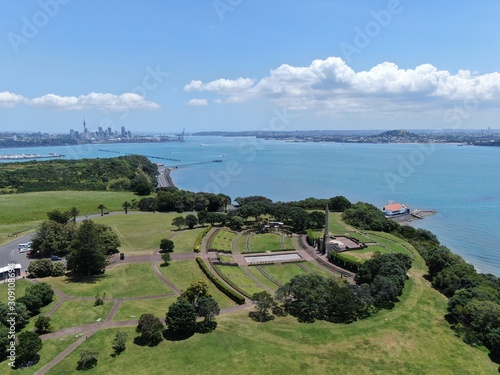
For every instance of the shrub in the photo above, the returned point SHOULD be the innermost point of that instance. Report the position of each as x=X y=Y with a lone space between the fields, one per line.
x=235 y=296
x=199 y=238
x=41 y=268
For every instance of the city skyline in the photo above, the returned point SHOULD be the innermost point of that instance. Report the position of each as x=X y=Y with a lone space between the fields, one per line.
x=237 y=65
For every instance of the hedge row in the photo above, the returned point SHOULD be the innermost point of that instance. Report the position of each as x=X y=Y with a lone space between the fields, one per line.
x=344 y=262
x=236 y=297
x=202 y=234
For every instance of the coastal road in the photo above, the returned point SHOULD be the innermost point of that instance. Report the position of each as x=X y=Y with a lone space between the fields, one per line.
x=163 y=178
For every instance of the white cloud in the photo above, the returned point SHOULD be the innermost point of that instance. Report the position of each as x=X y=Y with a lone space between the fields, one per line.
x=8 y=99
x=104 y=102
x=331 y=86
x=197 y=102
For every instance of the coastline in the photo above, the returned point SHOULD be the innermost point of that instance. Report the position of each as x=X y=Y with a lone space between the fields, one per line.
x=163 y=178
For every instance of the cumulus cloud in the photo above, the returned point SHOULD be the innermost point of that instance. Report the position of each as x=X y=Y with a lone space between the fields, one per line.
x=197 y=102
x=331 y=86
x=8 y=99
x=104 y=102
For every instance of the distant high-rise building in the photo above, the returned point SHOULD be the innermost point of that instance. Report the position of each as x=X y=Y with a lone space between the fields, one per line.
x=109 y=132
x=124 y=132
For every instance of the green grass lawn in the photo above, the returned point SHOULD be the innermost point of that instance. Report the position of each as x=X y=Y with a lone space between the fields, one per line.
x=290 y=243
x=140 y=232
x=77 y=312
x=241 y=243
x=265 y=242
x=336 y=225
x=284 y=272
x=226 y=258
x=50 y=349
x=316 y=269
x=364 y=254
x=254 y=270
x=392 y=242
x=124 y=280
x=133 y=309
x=184 y=241
x=23 y=211
x=359 y=237
x=239 y=279
x=223 y=240
x=20 y=288
x=412 y=338
x=183 y=272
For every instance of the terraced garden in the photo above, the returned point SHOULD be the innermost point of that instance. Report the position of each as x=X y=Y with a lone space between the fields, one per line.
x=222 y=241
x=239 y=279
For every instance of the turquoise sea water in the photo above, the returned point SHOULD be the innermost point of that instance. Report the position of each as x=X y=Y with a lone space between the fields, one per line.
x=461 y=183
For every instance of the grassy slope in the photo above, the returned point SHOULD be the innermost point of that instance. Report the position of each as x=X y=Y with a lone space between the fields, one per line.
x=124 y=280
x=22 y=211
x=265 y=242
x=413 y=338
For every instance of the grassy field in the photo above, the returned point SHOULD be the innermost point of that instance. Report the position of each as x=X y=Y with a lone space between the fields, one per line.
x=413 y=338
x=77 y=312
x=140 y=232
x=265 y=242
x=315 y=269
x=239 y=279
x=241 y=243
x=366 y=253
x=184 y=241
x=23 y=211
x=336 y=225
x=223 y=240
x=254 y=270
x=50 y=349
x=226 y=258
x=133 y=309
x=392 y=242
x=183 y=272
x=284 y=272
x=124 y=280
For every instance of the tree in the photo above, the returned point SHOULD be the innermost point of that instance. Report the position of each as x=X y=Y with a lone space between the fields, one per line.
x=21 y=319
x=181 y=317
x=236 y=222
x=53 y=238
x=166 y=246
x=264 y=302
x=208 y=308
x=28 y=346
x=198 y=289
x=73 y=212
x=120 y=341
x=58 y=269
x=42 y=325
x=317 y=219
x=150 y=328
x=32 y=302
x=91 y=249
x=58 y=216
x=126 y=206
x=43 y=291
x=166 y=259
x=99 y=298
x=88 y=359
x=41 y=268
x=178 y=222
x=102 y=208
x=339 y=204
x=190 y=221
x=4 y=341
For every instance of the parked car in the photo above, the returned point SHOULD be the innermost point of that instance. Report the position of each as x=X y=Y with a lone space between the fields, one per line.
x=55 y=257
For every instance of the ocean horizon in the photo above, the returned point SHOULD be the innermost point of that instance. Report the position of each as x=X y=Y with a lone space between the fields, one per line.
x=460 y=183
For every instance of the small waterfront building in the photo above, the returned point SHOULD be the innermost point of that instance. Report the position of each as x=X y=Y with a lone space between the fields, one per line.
x=395 y=209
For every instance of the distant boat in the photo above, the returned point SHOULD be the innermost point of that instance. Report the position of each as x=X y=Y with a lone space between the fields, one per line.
x=202 y=144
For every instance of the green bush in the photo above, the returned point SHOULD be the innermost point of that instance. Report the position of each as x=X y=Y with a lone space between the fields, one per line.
x=236 y=297
x=199 y=238
x=344 y=262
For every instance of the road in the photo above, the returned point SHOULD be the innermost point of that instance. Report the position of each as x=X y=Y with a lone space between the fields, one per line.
x=9 y=254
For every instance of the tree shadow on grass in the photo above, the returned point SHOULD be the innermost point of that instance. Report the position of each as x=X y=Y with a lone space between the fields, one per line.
x=205 y=327
x=85 y=279
x=141 y=341
x=175 y=336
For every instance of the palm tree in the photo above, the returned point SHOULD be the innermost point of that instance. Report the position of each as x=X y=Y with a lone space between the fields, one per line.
x=102 y=208
x=74 y=212
x=126 y=206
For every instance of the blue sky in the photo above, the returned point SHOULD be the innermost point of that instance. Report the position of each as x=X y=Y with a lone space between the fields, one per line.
x=162 y=66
